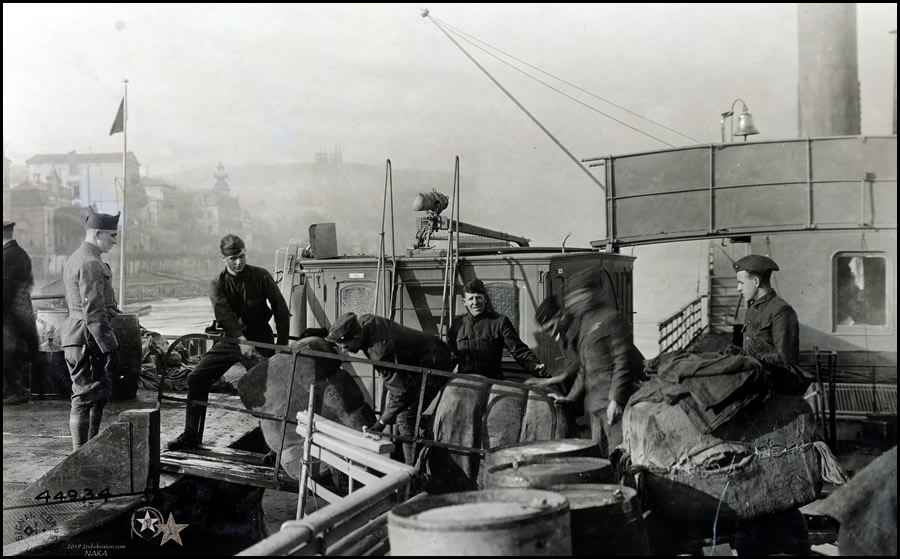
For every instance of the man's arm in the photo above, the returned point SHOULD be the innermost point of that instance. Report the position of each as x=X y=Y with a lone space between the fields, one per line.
x=402 y=391
x=279 y=309
x=517 y=348
x=91 y=286
x=225 y=316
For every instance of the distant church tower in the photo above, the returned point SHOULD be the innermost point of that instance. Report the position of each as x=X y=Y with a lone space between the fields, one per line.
x=220 y=176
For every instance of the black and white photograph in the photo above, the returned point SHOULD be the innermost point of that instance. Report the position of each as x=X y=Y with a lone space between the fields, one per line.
x=450 y=279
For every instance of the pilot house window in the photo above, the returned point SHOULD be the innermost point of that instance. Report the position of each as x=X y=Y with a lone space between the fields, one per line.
x=860 y=289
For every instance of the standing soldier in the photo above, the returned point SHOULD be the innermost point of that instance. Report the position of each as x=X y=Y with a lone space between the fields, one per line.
x=87 y=335
x=478 y=337
x=382 y=339
x=20 y=340
x=239 y=296
x=771 y=328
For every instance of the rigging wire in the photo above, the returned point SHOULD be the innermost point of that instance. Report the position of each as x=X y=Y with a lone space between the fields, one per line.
x=587 y=171
x=470 y=39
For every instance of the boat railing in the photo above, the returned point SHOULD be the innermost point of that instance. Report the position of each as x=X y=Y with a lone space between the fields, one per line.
x=278 y=478
x=352 y=525
x=680 y=329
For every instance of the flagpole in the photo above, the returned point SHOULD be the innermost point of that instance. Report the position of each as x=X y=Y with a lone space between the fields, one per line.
x=124 y=199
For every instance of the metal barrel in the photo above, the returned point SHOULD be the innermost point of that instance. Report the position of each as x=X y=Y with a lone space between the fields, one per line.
x=606 y=520
x=543 y=472
x=49 y=372
x=492 y=522
x=555 y=448
x=128 y=334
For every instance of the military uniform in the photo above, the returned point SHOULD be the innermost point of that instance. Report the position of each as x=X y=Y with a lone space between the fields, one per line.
x=243 y=305
x=20 y=340
x=383 y=339
x=478 y=342
x=608 y=372
x=771 y=331
x=87 y=334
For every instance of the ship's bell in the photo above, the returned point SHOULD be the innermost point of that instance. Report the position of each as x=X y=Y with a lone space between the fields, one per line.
x=745 y=125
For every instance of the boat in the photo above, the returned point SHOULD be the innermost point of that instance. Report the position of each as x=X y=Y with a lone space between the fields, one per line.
x=824 y=204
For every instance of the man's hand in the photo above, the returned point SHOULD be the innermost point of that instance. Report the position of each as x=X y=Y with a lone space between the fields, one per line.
x=247 y=351
x=377 y=427
x=559 y=399
x=613 y=412
x=539 y=382
x=540 y=370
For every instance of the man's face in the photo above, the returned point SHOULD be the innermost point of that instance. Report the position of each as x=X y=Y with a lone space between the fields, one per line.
x=106 y=240
x=747 y=285
x=475 y=303
x=350 y=344
x=236 y=263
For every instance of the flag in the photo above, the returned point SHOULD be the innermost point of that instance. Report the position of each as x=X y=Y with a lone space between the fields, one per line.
x=119 y=123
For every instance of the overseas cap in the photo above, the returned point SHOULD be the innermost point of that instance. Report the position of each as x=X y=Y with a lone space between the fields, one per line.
x=231 y=245
x=104 y=222
x=8 y=224
x=756 y=263
x=475 y=286
x=345 y=326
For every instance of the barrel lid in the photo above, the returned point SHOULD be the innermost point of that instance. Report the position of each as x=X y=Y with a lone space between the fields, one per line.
x=589 y=495
x=554 y=465
x=477 y=510
x=537 y=448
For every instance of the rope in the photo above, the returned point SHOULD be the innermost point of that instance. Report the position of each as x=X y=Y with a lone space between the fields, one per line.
x=470 y=38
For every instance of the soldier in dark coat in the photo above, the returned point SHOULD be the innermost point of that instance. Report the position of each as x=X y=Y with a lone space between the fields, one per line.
x=771 y=330
x=610 y=364
x=478 y=337
x=20 y=339
x=244 y=299
x=382 y=339
x=87 y=335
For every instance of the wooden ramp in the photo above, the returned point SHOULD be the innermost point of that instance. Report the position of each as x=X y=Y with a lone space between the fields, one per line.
x=227 y=464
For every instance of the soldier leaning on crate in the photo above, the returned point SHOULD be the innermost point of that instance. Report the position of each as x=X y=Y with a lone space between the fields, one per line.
x=382 y=339
x=20 y=339
x=244 y=299
x=87 y=336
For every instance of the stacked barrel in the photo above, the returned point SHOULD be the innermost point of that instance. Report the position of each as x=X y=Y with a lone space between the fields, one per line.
x=555 y=497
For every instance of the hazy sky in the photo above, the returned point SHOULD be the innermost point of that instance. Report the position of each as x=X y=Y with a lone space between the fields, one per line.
x=275 y=84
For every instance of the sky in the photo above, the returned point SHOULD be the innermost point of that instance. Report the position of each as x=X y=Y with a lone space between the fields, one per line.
x=248 y=84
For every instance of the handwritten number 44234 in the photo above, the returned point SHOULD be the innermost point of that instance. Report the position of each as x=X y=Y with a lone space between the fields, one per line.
x=72 y=495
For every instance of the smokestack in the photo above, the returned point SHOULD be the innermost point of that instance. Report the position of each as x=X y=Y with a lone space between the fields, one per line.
x=829 y=73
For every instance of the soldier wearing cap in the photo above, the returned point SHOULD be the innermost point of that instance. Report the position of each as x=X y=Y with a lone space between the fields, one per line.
x=244 y=299
x=87 y=336
x=771 y=331
x=610 y=364
x=20 y=339
x=382 y=339
x=478 y=337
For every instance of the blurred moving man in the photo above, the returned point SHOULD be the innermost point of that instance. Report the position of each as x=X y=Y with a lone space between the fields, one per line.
x=244 y=299
x=87 y=336
x=20 y=339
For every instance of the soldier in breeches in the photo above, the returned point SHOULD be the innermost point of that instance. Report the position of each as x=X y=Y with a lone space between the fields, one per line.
x=87 y=335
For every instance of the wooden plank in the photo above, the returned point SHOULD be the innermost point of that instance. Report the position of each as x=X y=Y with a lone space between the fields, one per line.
x=226 y=470
x=345 y=466
x=373 y=443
